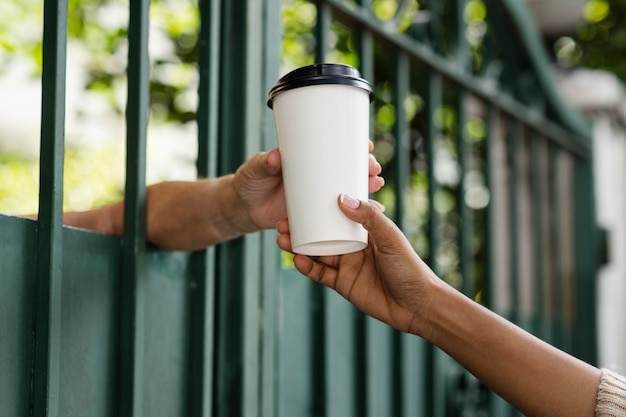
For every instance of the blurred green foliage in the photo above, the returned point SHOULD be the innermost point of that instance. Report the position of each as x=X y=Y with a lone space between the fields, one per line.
x=87 y=179
x=600 y=41
x=92 y=174
x=97 y=38
x=91 y=177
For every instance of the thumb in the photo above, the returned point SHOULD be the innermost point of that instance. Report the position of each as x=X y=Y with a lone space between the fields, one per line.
x=262 y=165
x=273 y=163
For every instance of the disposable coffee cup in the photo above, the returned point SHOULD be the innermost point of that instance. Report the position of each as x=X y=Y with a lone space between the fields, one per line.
x=322 y=122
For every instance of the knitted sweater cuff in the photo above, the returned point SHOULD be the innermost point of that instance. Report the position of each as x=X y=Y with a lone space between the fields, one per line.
x=611 y=400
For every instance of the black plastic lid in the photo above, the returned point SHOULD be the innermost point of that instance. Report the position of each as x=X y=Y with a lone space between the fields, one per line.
x=320 y=74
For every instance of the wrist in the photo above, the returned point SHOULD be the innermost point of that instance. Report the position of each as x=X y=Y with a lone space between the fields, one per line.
x=235 y=212
x=106 y=219
x=437 y=310
x=114 y=219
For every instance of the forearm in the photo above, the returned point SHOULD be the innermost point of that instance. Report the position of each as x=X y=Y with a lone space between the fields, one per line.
x=535 y=377
x=182 y=215
x=195 y=215
x=107 y=219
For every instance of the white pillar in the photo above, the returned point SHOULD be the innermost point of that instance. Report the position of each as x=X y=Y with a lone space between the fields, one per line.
x=602 y=98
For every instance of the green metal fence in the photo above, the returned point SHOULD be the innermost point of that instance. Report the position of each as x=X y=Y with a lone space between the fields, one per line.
x=489 y=175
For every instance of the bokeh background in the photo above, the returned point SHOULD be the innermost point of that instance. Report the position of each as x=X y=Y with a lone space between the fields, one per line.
x=577 y=33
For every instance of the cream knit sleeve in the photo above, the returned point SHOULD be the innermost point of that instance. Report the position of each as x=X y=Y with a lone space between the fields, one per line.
x=611 y=395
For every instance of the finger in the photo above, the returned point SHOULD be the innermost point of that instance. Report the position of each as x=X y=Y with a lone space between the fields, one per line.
x=282 y=226
x=374 y=167
x=317 y=271
x=284 y=242
x=365 y=212
x=375 y=183
x=371 y=146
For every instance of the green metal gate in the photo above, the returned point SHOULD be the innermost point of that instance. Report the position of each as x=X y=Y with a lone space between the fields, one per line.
x=489 y=174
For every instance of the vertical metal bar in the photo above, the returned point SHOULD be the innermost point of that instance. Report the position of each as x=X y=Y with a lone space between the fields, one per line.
x=271 y=301
x=434 y=94
x=239 y=352
x=132 y=315
x=489 y=115
x=524 y=229
x=254 y=98
x=556 y=272
x=461 y=46
x=433 y=104
x=466 y=221
x=229 y=334
x=548 y=285
x=586 y=255
x=401 y=86
x=202 y=317
x=537 y=179
x=496 y=404
x=319 y=358
x=499 y=223
x=546 y=303
x=318 y=294
x=343 y=328
x=513 y=143
x=47 y=325
x=322 y=30
x=365 y=47
x=435 y=23
x=566 y=246
x=466 y=229
x=209 y=88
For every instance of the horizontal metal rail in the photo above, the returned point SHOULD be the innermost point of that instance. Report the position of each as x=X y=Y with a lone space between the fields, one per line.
x=482 y=88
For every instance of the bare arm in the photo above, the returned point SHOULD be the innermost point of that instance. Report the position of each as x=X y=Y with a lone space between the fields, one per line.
x=183 y=215
x=390 y=282
x=191 y=215
x=538 y=379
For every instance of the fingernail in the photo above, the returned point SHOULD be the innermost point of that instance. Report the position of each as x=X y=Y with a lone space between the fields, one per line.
x=348 y=201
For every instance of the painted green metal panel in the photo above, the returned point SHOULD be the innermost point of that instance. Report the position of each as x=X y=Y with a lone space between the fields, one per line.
x=89 y=320
x=296 y=346
x=587 y=258
x=89 y=324
x=166 y=333
x=17 y=278
x=379 y=394
x=340 y=346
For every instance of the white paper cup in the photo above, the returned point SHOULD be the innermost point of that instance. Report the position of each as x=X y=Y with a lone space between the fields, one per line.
x=322 y=123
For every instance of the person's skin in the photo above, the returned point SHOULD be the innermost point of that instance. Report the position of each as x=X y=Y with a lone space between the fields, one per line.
x=389 y=282
x=192 y=215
